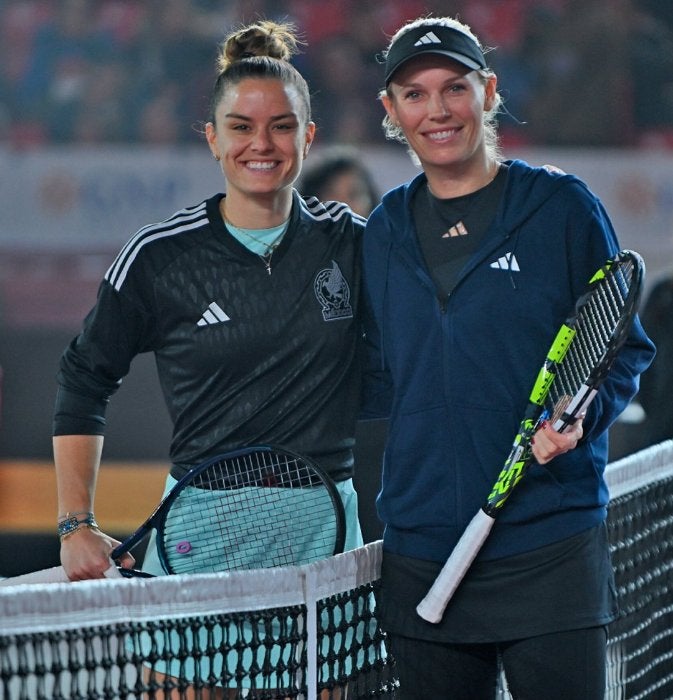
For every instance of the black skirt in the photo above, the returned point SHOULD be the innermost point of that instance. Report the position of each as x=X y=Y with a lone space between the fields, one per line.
x=563 y=586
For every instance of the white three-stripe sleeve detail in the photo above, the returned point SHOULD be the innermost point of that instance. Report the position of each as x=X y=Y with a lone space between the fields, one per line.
x=120 y=267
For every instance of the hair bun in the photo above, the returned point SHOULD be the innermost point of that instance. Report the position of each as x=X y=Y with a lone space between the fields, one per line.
x=263 y=38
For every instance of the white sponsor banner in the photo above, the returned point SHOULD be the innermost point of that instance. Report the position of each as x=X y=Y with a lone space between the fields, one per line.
x=96 y=198
x=88 y=199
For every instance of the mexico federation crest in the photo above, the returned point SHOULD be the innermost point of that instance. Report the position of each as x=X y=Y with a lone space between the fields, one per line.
x=333 y=293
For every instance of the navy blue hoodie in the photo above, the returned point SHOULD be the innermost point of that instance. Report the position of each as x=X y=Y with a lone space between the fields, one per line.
x=454 y=374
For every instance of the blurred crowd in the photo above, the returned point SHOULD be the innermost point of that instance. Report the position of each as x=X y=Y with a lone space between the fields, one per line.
x=573 y=72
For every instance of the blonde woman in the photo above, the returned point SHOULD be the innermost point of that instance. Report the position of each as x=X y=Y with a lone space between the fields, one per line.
x=469 y=270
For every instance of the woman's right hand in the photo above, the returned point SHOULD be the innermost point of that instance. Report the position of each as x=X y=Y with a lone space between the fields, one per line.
x=85 y=554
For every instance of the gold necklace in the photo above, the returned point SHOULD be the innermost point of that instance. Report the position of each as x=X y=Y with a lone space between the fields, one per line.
x=270 y=247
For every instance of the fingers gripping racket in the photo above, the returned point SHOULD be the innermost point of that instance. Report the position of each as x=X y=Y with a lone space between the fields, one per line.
x=577 y=363
x=256 y=507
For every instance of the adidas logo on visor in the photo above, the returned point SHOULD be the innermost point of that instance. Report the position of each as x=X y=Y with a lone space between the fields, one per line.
x=429 y=38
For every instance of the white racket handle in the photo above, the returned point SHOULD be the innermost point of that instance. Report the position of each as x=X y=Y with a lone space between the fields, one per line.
x=432 y=607
x=56 y=574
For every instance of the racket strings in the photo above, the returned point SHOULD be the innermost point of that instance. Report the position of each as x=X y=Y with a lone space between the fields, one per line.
x=258 y=469
x=598 y=322
x=257 y=510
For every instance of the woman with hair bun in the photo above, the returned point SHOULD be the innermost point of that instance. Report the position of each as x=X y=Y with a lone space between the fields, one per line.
x=225 y=294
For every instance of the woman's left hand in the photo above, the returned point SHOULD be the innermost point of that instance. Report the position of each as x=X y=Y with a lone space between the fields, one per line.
x=549 y=443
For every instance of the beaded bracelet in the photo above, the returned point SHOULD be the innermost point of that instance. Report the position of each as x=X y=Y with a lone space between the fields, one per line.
x=77 y=529
x=70 y=515
x=71 y=523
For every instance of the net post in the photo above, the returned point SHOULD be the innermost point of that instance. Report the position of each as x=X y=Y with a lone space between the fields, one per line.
x=311 y=594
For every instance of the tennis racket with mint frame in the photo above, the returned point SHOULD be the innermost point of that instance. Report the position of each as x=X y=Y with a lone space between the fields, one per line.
x=577 y=363
x=256 y=507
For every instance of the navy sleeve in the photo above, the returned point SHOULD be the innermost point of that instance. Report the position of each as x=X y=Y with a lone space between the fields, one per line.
x=622 y=382
x=377 y=387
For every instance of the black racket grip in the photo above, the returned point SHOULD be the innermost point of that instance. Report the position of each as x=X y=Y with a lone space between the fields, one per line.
x=134 y=573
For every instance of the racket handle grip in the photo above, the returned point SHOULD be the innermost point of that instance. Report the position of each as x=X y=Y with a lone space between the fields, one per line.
x=432 y=607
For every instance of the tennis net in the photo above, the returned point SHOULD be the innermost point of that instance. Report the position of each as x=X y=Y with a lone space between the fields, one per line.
x=306 y=632
x=640 y=525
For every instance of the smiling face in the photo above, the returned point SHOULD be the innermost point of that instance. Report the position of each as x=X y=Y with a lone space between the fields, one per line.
x=261 y=136
x=439 y=104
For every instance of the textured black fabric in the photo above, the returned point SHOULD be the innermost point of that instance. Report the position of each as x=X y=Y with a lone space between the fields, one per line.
x=243 y=356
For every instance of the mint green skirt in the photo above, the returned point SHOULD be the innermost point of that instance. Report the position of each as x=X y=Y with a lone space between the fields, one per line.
x=243 y=636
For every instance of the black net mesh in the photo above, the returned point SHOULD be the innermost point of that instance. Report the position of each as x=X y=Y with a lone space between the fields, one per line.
x=307 y=632
x=641 y=640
